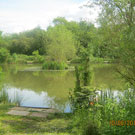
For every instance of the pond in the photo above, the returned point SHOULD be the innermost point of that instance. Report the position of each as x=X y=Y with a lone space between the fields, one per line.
x=50 y=89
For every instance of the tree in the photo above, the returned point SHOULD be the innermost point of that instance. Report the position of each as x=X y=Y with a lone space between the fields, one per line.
x=118 y=19
x=61 y=47
x=29 y=41
x=3 y=43
x=3 y=55
x=39 y=40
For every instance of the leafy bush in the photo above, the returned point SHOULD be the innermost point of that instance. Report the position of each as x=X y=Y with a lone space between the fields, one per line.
x=83 y=123
x=75 y=60
x=24 y=59
x=3 y=55
x=37 y=58
x=97 y=118
x=14 y=57
x=55 y=65
x=120 y=108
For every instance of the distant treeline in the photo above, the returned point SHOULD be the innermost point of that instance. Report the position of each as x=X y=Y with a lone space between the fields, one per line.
x=60 y=42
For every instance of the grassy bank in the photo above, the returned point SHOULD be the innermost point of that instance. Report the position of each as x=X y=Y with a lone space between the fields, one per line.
x=55 y=124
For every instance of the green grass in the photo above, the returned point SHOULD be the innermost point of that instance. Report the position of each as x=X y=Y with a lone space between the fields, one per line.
x=55 y=124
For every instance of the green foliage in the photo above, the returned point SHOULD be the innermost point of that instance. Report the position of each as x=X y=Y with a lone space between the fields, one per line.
x=116 y=41
x=37 y=58
x=83 y=124
x=4 y=97
x=51 y=65
x=62 y=42
x=25 y=59
x=35 y=53
x=1 y=72
x=81 y=99
x=4 y=53
x=28 y=41
x=22 y=59
x=82 y=92
x=127 y=56
x=14 y=57
x=116 y=110
x=106 y=108
x=61 y=47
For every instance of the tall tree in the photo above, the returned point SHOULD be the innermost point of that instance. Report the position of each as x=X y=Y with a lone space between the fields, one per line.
x=61 y=47
x=118 y=19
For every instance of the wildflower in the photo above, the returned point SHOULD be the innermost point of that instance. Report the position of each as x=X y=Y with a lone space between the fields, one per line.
x=91 y=103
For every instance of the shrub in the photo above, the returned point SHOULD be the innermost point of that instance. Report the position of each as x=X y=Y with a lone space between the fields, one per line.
x=75 y=60
x=120 y=108
x=55 y=65
x=3 y=55
x=22 y=59
x=84 y=123
x=97 y=118
x=14 y=56
x=37 y=58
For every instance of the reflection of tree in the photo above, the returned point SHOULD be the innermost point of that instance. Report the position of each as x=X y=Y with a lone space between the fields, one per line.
x=58 y=83
x=58 y=104
x=54 y=83
x=35 y=73
x=105 y=77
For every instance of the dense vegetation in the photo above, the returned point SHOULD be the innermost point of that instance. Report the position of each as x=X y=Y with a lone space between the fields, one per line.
x=60 y=43
x=55 y=65
x=106 y=113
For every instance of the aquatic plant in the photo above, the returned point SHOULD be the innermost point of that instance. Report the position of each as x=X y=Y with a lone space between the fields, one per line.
x=109 y=114
x=17 y=99
x=4 y=98
x=52 y=65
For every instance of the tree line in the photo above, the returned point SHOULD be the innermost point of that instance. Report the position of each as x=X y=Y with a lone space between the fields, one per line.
x=61 y=41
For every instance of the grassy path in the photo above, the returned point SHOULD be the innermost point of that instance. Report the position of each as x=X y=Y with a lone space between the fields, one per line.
x=54 y=124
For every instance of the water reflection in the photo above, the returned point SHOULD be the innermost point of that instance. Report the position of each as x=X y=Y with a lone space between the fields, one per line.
x=29 y=98
x=51 y=88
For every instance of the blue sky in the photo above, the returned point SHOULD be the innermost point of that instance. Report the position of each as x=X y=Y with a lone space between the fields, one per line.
x=20 y=15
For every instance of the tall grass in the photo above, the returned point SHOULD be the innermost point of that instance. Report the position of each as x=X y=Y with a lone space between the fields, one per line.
x=52 y=65
x=4 y=98
x=17 y=99
x=106 y=108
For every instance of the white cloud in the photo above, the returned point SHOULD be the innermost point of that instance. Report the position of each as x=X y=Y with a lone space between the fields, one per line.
x=29 y=14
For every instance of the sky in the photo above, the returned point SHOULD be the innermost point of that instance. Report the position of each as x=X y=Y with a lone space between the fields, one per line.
x=21 y=15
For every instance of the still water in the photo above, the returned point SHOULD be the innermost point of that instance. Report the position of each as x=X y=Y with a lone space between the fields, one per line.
x=37 y=88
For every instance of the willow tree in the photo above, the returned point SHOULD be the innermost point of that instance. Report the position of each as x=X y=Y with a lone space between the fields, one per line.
x=117 y=19
x=61 y=46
